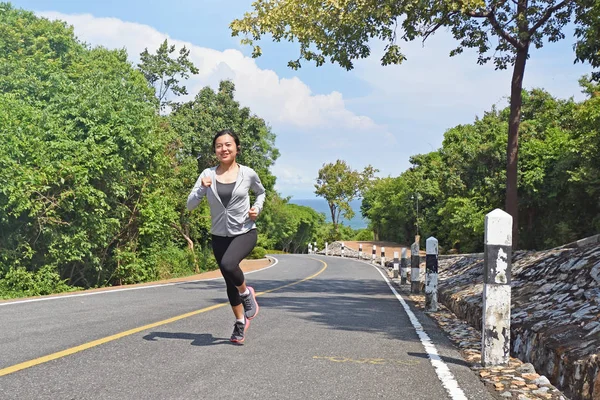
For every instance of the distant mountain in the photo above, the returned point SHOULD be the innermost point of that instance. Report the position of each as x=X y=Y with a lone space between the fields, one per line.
x=320 y=205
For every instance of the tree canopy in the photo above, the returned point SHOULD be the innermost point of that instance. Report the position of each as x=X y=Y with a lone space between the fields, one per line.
x=80 y=144
x=339 y=185
x=463 y=180
x=164 y=72
x=502 y=31
x=340 y=31
x=93 y=178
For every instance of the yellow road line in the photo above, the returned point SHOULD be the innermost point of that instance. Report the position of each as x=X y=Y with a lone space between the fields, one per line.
x=300 y=281
x=98 y=342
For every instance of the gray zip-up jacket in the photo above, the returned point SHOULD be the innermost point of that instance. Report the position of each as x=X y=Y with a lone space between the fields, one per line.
x=234 y=219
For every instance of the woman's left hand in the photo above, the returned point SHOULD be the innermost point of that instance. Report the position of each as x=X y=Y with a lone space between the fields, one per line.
x=253 y=213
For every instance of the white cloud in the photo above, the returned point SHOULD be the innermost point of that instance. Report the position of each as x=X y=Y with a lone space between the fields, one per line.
x=430 y=83
x=406 y=113
x=311 y=129
x=282 y=102
x=432 y=92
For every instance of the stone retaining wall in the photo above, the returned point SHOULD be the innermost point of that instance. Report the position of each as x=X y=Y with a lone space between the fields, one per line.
x=555 y=314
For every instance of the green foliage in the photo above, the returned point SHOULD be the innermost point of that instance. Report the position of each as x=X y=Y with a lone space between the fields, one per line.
x=275 y=252
x=257 y=253
x=93 y=180
x=288 y=227
x=339 y=185
x=80 y=143
x=18 y=282
x=458 y=184
x=163 y=72
x=462 y=221
x=363 y=235
x=341 y=31
x=587 y=32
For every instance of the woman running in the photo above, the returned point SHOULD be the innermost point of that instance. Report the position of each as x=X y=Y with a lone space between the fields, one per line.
x=233 y=229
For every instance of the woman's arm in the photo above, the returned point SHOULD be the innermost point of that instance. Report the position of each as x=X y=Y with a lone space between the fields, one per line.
x=258 y=189
x=198 y=192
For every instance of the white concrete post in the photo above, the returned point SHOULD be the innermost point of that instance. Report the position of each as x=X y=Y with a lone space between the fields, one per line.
x=383 y=256
x=342 y=254
x=315 y=247
x=415 y=278
x=326 y=248
x=403 y=267
x=431 y=274
x=310 y=248
x=396 y=265
x=495 y=339
x=360 y=253
x=374 y=254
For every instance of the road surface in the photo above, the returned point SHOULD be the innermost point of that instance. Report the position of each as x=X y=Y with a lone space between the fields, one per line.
x=328 y=328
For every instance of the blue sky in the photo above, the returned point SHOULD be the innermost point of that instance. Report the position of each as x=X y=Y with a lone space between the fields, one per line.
x=371 y=115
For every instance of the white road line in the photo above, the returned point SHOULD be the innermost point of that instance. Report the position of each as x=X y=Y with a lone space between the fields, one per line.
x=10 y=303
x=441 y=369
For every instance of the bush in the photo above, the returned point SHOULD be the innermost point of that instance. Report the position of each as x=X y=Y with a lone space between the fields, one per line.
x=174 y=262
x=257 y=253
x=18 y=282
x=207 y=260
x=363 y=235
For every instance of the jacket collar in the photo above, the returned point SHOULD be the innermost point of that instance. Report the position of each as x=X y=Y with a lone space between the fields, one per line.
x=238 y=181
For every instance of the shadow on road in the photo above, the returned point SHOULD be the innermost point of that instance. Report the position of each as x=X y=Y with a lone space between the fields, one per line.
x=360 y=305
x=448 y=360
x=198 y=339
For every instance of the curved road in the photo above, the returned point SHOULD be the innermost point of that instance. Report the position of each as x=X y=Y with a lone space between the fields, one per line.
x=328 y=328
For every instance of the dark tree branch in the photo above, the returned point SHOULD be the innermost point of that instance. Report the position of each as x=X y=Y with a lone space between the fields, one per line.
x=547 y=16
x=429 y=32
x=503 y=34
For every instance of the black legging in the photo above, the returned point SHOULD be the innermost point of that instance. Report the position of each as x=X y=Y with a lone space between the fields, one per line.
x=229 y=252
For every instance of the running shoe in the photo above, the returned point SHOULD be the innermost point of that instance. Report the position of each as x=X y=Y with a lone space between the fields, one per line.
x=250 y=304
x=239 y=331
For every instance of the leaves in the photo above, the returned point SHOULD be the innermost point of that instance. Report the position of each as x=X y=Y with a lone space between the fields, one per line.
x=559 y=183
x=341 y=30
x=163 y=72
x=339 y=185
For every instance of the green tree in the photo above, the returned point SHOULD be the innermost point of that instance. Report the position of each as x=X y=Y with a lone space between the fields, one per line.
x=93 y=180
x=501 y=31
x=163 y=71
x=584 y=170
x=339 y=185
x=196 y=123
x=288 y=227
x=198 y=120
x=463 y=180
x=80 y=150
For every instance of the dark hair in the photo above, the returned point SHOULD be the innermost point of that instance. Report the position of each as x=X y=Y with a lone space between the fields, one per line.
x=229 y=132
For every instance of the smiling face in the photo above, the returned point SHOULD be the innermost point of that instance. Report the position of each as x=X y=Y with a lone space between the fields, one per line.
x=226 y=149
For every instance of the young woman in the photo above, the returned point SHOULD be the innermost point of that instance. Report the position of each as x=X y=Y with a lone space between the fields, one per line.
x=233 y=229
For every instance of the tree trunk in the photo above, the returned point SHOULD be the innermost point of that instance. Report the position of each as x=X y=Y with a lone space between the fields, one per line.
x=512 y=149
x=190 y=244
x=333 y=220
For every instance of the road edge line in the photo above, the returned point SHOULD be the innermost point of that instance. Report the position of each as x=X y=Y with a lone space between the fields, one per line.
x=441 y=369
x=108 y=290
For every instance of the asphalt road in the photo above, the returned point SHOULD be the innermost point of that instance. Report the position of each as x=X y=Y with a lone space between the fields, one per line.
x=328 y=328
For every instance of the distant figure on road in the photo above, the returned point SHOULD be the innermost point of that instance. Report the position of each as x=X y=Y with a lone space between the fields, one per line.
x=233 y=229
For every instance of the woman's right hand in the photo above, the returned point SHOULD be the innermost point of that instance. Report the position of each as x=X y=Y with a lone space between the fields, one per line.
x=206 y=181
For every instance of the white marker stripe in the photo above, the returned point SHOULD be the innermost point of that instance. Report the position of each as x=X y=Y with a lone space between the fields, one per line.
x=126 y=289
x=441 y=369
